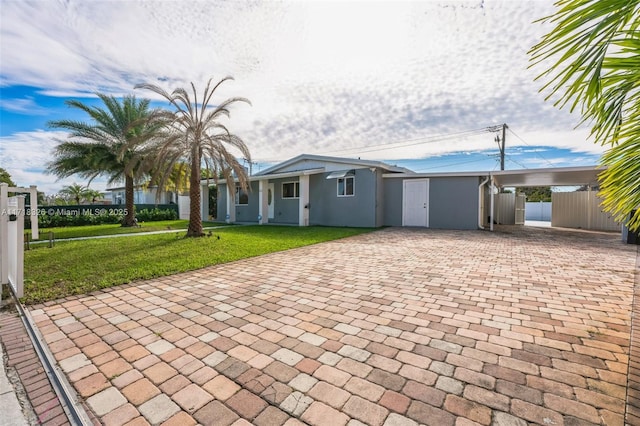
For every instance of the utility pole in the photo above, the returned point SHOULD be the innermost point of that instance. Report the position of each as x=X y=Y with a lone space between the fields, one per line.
x=501 y=142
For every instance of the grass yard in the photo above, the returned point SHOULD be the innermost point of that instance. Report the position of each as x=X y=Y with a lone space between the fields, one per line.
x=114 y=229
x=78 y=267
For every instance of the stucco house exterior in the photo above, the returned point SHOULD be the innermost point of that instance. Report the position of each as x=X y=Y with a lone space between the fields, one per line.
x=332 y=191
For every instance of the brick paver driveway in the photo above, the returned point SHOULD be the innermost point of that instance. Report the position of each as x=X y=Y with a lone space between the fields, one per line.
x=395 y=327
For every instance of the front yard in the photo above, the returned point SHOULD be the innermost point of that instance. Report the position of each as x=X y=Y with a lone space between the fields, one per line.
x=78 y=267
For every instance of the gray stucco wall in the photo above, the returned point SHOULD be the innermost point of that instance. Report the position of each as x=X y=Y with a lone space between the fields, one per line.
x=249 y=212
x=453 y=202
x=330 y=210
x=285 y=209
x=244 y=212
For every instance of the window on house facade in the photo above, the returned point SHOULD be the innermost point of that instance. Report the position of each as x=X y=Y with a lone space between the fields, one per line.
x=242 y=197
x=291 y=190
x=346 y=186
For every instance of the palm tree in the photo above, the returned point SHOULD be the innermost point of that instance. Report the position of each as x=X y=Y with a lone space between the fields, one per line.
x=594 y=51
x=74 y=192
x=194 y=132
x=92 y=195
x=106 y=145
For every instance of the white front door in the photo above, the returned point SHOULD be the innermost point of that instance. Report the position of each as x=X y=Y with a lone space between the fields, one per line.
x=270 y=198
x=415 y=202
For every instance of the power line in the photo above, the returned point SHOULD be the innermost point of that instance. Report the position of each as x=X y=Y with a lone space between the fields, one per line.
x=405 y=143
x=535 y=152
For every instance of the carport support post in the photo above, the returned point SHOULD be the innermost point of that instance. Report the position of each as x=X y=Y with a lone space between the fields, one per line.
x=303 y=209
x=588 y=206
x=263 y=202
x=493 y=196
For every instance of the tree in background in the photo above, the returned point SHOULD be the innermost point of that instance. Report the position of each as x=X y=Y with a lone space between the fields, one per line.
x=5 y=177
x=107 y=144
x=74 y=192
x=92 y=195
x=195 y=134
x=594 y=51
x=536 y=193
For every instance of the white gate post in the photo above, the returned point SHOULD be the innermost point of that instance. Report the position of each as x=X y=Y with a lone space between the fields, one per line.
x=4 y=240
x=35 y=233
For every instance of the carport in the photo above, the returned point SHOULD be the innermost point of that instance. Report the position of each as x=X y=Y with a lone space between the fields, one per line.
x=566 y=176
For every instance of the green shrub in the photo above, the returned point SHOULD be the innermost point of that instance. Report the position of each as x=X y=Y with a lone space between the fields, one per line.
x=150 y=215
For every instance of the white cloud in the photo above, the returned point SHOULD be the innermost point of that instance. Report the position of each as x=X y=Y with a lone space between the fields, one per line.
x=25 y=106
x=322 y=76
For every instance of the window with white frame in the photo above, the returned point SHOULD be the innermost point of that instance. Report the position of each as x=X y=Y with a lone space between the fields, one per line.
x=242 y=197
x=346 y=186
x=291 y=190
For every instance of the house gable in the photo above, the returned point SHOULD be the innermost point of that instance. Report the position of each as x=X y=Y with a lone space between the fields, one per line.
x=308 y=162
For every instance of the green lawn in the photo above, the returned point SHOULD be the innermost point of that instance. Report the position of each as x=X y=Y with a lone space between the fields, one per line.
x=95 y=230
x=78 y=267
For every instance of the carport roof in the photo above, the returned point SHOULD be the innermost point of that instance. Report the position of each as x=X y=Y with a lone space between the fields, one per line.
x=560 y=176
x=564 y=176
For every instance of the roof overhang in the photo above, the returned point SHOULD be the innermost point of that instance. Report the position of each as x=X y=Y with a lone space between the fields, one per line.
x=341 y=174
x=560 y=176
x=297 y=173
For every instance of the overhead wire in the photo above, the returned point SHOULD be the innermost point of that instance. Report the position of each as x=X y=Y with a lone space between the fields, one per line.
x=535 y=152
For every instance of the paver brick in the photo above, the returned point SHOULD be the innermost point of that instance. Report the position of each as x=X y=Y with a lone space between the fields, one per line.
x=535 y=413
x=91 y=385
x=394 y=401
x=271 y=416
x=320 y=414
x=365 y=411
x=430 y=415
x=329 y=394
x=140 y=391
x=331 y=375
x=215 y=413
x=221 y=387
x=572 y=408
x=106 y=401
x=246 y=404
x=296 y=403
x=486 y=397
x=424 y=393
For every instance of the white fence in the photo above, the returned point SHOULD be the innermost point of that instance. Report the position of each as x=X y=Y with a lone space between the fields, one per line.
x=12 y=213
x=538 y=210
x=580 y=210
x=184 y=206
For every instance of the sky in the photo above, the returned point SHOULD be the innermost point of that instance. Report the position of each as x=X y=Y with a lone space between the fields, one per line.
x=415 y=84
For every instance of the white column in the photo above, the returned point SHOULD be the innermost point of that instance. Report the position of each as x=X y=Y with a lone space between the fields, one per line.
x=33 y=190
x=263 y=202
x=18 y=239
x=204 y=201
x=4 y=239
x=303 y=209
x=493 y=196
x=231 y=204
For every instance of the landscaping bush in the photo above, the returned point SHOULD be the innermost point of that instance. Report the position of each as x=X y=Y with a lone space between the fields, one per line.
x=150 y=215
x=95 y=216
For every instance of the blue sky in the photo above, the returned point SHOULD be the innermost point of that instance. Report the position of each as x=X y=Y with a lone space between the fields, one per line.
x=403 y=82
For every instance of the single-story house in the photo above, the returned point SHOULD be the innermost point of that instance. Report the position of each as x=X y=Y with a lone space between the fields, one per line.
x=332 y=191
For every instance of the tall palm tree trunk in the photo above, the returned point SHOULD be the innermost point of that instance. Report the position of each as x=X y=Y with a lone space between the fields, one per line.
x=129 y=218
x=195 y=218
